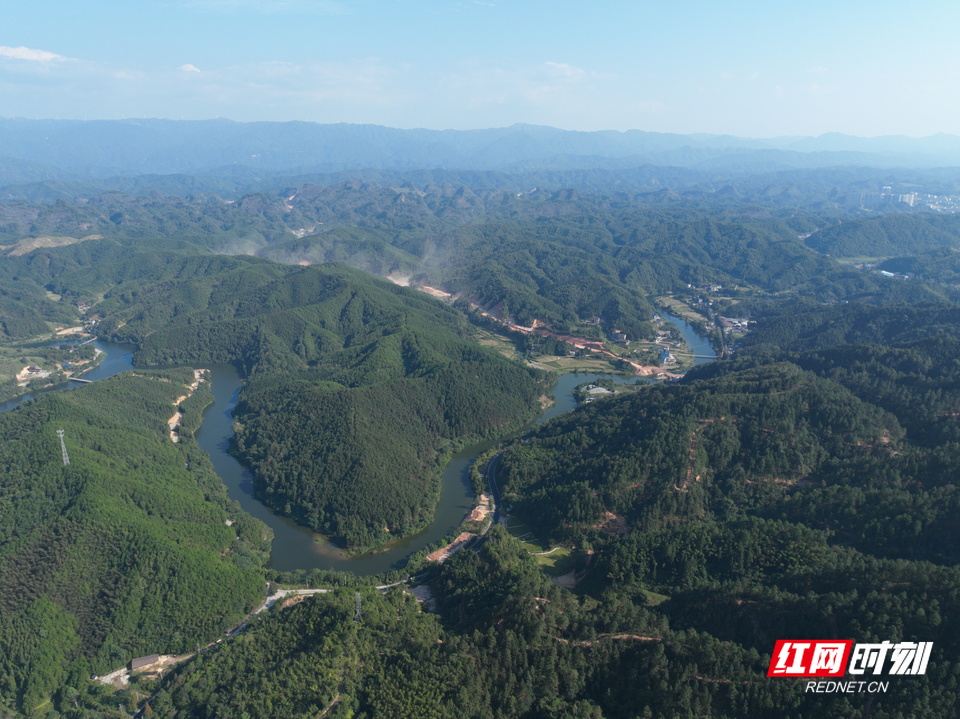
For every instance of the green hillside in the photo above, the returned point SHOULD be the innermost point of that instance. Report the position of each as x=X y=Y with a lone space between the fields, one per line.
x=121 y=553
x=888 y=235
x=740 y=440
x=356 y=386
x=504 y=641
x=804 y=326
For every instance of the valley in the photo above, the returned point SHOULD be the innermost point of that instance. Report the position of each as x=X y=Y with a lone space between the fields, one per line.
x=665 y=513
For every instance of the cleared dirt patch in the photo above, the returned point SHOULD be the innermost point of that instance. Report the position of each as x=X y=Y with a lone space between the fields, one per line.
x=482 y=510
x=445 y=552
x=34 y=243
x=613 y=524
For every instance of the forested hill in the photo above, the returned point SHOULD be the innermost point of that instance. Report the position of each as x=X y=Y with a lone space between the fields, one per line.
x=812 y=496
x=269 y=317
x=356 y=385
x=800 y=326
x=739 y=437
x=505 y=642
x=833 y=439
x=556 y=256
x=124 y=552
x=888 y=235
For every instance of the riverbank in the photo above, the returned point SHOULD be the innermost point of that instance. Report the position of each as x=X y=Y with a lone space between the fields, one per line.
x=174 y=422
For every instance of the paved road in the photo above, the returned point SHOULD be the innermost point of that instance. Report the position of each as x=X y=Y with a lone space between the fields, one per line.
x=494 y=489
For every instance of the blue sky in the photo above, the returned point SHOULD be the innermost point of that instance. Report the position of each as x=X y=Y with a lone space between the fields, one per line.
x=743 y=67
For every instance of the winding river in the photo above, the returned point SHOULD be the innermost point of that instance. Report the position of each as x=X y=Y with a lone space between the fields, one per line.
x=699 y=344
x=296 y=547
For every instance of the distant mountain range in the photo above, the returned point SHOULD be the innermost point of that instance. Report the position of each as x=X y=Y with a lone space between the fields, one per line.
x=73 y=150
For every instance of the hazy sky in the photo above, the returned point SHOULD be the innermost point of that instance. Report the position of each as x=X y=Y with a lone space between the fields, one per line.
x=743 y=67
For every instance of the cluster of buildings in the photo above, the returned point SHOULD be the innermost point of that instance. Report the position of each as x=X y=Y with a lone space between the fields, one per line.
x=30 y=373
x=734 y=324
x=871 y=200
x=896 y=275
x=872 y=266
x=665 y=357
x=940 y=203
x=709 y=287
x=593 y=392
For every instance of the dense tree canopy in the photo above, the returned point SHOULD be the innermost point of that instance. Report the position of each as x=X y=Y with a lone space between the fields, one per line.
x=123 y=552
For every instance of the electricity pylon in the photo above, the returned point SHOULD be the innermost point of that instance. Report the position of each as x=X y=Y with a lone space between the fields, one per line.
x=63 y=448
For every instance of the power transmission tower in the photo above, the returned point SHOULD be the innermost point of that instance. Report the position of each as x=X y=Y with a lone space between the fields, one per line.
x=63 y=448
x=356 y=616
